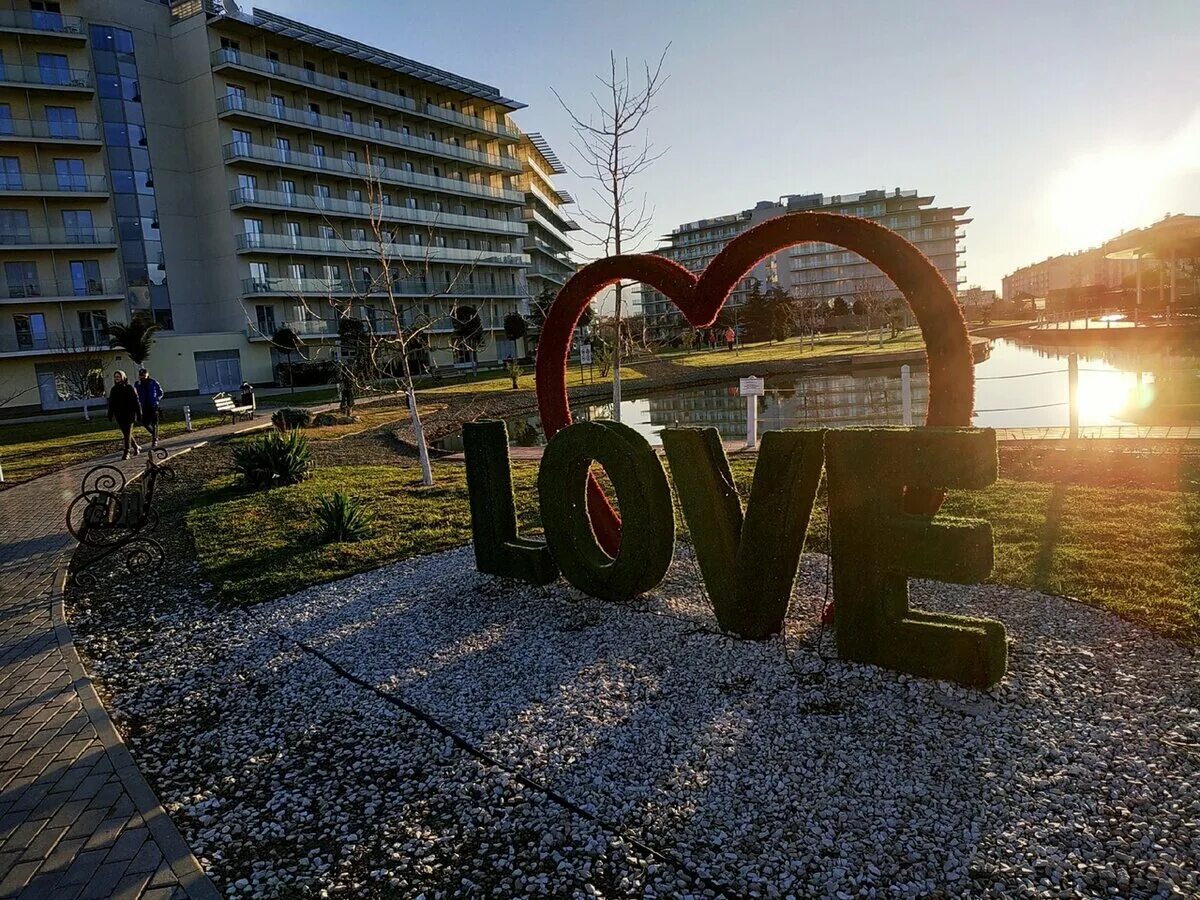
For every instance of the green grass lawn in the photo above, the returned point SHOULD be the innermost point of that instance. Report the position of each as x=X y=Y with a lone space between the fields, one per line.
x=487 y=382
x=854 y=343
x=1135 y=552
x=30 y=449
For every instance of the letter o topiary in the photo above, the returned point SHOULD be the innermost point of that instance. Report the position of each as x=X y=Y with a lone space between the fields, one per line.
x=951 y=367
x=647 y=542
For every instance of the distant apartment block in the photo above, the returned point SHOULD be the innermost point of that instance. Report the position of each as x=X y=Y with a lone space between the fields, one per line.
x=1088 y=268
x=816 y=271
x=227 y=172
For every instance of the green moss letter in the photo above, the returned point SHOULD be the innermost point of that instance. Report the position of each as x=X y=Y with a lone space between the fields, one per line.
x=876 y=547
x=749 y=565
x=644 y=497
x=498 y=548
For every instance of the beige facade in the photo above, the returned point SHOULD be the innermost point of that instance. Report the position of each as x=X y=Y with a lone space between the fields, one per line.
x=230 y=173
x=548 y=244
x=1088 y=268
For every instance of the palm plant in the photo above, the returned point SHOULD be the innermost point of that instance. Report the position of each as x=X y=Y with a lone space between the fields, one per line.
x=135 y=337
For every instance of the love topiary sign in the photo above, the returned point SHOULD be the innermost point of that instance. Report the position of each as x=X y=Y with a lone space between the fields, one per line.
x=885 y=484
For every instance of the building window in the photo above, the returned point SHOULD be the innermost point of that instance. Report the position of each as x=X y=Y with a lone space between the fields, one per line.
x=62 y=122
x=31 y=331
x=92 y=323
x=69 y=175
x=22 y=279
x=85 y=278
x=78 y=226
x=265 y=319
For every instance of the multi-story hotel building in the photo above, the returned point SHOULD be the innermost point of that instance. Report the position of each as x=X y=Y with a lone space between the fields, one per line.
x=1088 y=268
x=228 y=173
x=547 y=243
x=815 y=271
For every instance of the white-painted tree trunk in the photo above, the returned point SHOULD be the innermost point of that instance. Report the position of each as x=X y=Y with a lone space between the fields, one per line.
x=419 y=436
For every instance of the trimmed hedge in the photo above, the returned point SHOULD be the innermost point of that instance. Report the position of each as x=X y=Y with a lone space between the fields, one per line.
x=499 y=550
x=647 y=539
x=290 y=418
x=876 y=547
x=748 y=563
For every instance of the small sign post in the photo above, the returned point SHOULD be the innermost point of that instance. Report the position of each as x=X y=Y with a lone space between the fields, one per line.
x=752 y=388
x=187 y=418
x=585 y=358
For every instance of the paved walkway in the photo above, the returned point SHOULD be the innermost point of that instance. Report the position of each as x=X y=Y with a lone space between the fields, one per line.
x=77 y=819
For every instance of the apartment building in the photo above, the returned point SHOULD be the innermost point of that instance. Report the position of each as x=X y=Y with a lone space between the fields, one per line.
x=816 y=271
x=1087 y=268
x=229 y=172
x=547 y=243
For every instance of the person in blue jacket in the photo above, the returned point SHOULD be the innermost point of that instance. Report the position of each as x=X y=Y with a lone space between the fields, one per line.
x=150 y=394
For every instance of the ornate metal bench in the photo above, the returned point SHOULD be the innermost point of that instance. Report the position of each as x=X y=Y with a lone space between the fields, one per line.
x=113 y=515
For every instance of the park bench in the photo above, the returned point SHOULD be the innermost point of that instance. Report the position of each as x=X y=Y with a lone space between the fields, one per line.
x=226 y=406
x=112 y=514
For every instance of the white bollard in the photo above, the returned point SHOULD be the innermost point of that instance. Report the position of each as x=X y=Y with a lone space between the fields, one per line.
x=751 y=421
x=906 y=393
x=1 y=474
x=187 y=418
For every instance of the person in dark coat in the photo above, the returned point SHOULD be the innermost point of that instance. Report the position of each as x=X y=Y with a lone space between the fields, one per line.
x=150 y=394
x=124 y=409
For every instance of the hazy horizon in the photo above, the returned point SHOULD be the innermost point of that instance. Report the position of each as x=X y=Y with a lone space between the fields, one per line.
x=1058 y=127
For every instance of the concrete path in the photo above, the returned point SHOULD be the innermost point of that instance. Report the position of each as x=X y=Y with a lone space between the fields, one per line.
x=77 y=819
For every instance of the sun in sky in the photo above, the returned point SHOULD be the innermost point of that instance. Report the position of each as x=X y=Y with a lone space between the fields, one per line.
x=1110 y=190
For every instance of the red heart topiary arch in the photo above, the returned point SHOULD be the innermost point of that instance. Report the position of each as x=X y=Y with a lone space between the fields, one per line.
x=948 y=349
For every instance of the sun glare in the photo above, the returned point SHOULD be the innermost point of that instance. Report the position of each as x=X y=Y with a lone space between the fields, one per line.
x=1104 y=194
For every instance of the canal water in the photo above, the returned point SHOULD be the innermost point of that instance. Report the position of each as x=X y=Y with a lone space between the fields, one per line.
x=1016 y=386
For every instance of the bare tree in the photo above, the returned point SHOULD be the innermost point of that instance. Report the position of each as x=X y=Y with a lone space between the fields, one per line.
x=613 y=153
x=80 y=374
x=388 y=347
x=872 y=299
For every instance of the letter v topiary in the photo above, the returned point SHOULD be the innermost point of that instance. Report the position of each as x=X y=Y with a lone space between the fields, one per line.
x=498 y=548
x=647 y=536
x=876 y=546
x=748 y=564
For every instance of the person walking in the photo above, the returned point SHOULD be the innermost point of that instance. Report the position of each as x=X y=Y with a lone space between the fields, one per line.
x=124 y=409
x=730 y=337
x=150 y=394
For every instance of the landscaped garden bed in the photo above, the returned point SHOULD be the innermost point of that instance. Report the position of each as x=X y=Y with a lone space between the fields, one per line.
x=422 y=728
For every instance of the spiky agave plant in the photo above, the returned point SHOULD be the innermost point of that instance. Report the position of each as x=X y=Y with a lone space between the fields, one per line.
x=343 y=518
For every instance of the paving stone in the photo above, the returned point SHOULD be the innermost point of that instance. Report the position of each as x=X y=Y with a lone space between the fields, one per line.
x=67 y=824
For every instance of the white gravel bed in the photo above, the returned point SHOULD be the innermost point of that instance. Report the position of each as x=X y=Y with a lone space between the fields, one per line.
x=755 y=768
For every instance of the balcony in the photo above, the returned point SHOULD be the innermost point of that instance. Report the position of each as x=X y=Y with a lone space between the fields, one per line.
x=48 y=77
x=49 y=290
x=561 y=256
x=537 y=220
x=365 y=93
x=404 y=287
x=50 y=183
x=286 y=243
x=50 y=238
x=230 y=104
x=43 y=23
x=325 y=206
x=49 y=343
x=275 y=157
x=42 y=131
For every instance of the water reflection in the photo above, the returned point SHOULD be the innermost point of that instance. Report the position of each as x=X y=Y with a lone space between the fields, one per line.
x=1017 y=386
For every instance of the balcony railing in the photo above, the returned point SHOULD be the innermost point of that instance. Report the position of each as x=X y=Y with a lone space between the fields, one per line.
x=40 y=129
x=40 y=20
x=536 y=218
x=357 y=209
x=52 y=183
x=354 y=247
x=37 y=288
x=275 y=156
x=46 y=76
x=536 y=243
x=405 y=287
x=277 y=69
x=51 y=342
x=24 y=237
x=307 y=119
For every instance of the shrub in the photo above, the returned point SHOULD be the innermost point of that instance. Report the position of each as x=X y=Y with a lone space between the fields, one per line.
x=342 y=518
x=288 y=419
x=326 y=419
x=276 y=458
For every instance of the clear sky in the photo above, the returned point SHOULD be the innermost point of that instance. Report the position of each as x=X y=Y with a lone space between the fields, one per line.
x=1058 y=123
